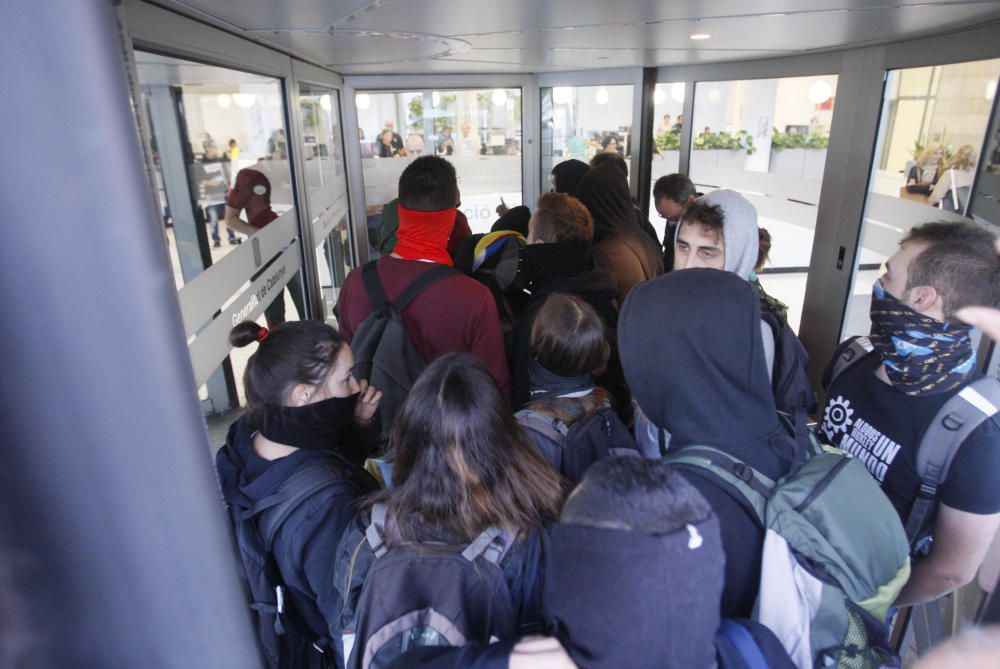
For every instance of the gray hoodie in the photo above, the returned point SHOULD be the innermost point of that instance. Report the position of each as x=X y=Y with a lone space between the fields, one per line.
x=739 y=230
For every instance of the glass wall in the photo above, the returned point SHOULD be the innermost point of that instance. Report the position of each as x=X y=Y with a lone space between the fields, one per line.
x=582 y=121
x=767 y=139
x=326 y=188
x=668 y=120
x=479 y=131
x=933 y=124
x=207 y=124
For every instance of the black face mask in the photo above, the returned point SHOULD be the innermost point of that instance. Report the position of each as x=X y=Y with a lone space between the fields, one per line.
x=546 y=384
x=311 y=427
x=541 y=262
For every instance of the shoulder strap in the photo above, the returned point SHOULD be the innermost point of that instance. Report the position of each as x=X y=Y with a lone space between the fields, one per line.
x=855 y=350
x=296 y=489
x=373 y=286
x=547 y=426
x=432 y=275
x=492 y=543
x=375 y=532
x=955 y=421
x=751 y=484
x=745 y=644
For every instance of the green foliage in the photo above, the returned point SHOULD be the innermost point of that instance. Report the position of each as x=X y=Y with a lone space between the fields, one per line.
x=415 y=121
x=308 y=109
x=668 y=141
x=785 y=140
x=724 y=141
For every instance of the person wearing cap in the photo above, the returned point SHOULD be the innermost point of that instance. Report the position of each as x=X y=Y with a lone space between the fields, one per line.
x=252 y=193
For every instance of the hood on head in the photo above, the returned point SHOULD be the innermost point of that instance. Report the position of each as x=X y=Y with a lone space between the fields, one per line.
x=660 y=611
x=739 y=230
x=568 y=174
x=604 y=191
x=691 y=349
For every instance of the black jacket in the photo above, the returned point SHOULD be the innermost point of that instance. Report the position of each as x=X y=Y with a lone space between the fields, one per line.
x=306 y=545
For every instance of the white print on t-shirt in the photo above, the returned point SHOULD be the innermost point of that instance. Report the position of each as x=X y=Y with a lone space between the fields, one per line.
x=861 y=439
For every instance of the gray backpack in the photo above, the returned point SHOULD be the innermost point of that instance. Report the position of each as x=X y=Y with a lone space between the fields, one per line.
x=834 y=559
x=955 y=421
x=383 y=352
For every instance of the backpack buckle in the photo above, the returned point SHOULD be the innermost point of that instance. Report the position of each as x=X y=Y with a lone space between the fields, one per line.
x=743 y=472
x=928 y=490
x=952 y=422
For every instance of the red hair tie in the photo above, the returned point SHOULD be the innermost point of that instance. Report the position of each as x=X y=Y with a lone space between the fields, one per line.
x=262 y=334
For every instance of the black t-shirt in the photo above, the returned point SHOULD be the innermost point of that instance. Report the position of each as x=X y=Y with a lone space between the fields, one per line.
x=882 y=427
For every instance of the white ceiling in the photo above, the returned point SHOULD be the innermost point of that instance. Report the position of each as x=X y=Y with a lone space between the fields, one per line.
x=470 y=36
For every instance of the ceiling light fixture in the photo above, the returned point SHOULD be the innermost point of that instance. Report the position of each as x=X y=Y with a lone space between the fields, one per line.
x=659 y=96
x=677 y=92
x=562 y=95
x=499 y=97
x=224 y=100
x=363 y=101
x=324 y=102
x=701 y=36
x=820 y=92
x=244 y=100
x=602 y=96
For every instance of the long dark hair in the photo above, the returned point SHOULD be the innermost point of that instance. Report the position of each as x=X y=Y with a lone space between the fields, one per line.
x=461 y=462
x=292 y=353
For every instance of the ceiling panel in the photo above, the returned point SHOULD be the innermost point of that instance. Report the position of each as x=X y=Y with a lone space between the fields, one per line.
x=407 y=36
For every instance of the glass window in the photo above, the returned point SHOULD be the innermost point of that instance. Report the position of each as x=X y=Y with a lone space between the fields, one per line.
x=933 y=124
x=668 y=120
x=767 y=139
x=582 y=121
x=479 y=131
x=326 y=188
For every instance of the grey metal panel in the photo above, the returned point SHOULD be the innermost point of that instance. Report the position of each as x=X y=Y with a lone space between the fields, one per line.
x=440 y=82
x=201 y=298
x=624 y=75
x=308 y=73
x=355 y=183
x=212 y=344
x=531 y=146
x=842 y=203
x=115 y=547
x=687 y=130
x=324 y=224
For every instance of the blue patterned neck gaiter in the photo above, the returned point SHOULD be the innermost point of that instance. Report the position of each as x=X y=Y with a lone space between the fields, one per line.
x=921 y=355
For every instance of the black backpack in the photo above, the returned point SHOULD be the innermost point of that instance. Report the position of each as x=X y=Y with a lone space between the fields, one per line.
x=572 y=449
x=383 y=352
x=954 y=422
x=286 y=639
x=413 y=595
x=793 y=392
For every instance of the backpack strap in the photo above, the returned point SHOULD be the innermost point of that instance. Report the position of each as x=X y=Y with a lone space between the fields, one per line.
x=548 y=426
x=955 y=421
x=375 y=532
x=492 y=543
x=294 y=490
x=856 y=349
x=751 y=484
x=743 y=641
x=432 y=275
x=373 y=286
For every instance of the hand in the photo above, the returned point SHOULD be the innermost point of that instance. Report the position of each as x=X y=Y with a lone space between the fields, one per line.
x=538 y=652
x=502 y=208
x=368 y=399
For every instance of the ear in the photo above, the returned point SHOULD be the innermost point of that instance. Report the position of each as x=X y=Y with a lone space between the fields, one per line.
x=927 y=301
x=300 y=395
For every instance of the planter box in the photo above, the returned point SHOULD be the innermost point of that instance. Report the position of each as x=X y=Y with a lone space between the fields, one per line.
x=801 y=163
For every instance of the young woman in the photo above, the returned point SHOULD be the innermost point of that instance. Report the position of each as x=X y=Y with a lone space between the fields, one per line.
x=928 y=169
x=302 y=436
x=461 y=465
x=569 y=347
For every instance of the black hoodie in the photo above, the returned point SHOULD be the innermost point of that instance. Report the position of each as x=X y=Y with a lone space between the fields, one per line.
x=691 y=349
x=621 y=248
x=567 y=175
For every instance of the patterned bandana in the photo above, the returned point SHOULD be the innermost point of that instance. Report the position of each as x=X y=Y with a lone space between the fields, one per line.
x=546 y=384
x=921 y=355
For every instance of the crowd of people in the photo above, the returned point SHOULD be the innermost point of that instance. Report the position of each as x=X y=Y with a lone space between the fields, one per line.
x=568 y=442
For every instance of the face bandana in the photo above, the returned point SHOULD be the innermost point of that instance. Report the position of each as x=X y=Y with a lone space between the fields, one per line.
x=545 y=384
x=423 y=235
x=921 y=355
x=312 y=427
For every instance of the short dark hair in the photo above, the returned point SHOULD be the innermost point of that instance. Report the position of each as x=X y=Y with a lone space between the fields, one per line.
x=428 y=184
x=562 y=218
x=708 y=216
x=462 y=464
x=610 y=157
x=632 y=493
x=959 y=262
x=568 y=337
x=294 y=352
x=763 y=249
x=677 y=187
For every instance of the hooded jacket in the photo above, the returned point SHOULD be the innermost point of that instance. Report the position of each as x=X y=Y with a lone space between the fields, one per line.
x=621 y=248
x=567 y=175
x=305 y=547
x=739 y=230
x=692 y=377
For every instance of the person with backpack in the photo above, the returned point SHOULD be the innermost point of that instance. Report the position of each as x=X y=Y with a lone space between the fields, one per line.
x=406 y=309
x=813 y=549
x=569 y=419
x=558 y=258
x=454 y=551
x=290 y=474
x=909 y=403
